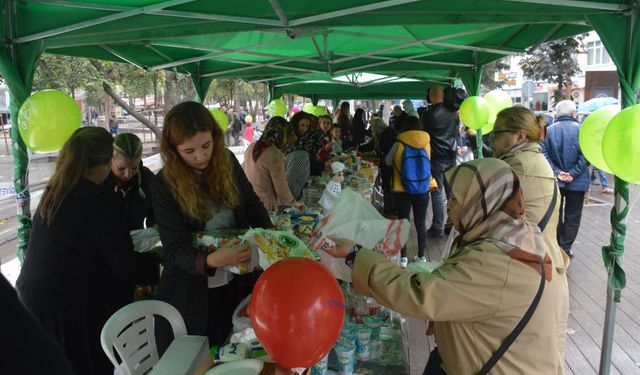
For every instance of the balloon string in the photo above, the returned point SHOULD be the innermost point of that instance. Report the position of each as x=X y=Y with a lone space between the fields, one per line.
x=298 y=370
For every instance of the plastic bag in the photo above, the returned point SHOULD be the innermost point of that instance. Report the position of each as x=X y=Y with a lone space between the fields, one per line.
x=145 y=240
x=273 y=245
x=220 y=238
x=355 y=219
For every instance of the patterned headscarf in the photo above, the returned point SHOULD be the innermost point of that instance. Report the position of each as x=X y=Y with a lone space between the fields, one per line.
x=277 y=133
x=491 y=208
x=311 y=142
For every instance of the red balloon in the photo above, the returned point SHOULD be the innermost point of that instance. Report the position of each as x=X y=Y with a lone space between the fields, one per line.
x=297 y=311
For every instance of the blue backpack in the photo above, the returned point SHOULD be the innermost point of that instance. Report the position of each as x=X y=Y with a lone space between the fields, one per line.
x=415 y=170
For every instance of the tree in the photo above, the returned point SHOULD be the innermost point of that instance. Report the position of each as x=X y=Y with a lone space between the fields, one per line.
x=489 y=72
x=554 y=62
x=64 y=73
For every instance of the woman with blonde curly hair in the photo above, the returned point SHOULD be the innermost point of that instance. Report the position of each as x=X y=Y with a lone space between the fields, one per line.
x=201 y=187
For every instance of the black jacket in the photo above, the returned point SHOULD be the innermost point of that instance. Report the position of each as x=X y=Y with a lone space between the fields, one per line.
x=137 y=207
x=184 y=280
x=442 y=125
x=81 y=269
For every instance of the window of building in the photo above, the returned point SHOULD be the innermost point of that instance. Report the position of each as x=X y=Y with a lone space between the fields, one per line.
x=597 y=54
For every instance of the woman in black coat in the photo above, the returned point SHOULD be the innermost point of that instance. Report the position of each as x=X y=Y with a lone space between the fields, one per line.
x=201 y=187
x=131 y=181
x=80 y=266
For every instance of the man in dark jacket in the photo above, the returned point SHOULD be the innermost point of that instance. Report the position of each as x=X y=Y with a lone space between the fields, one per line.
x=441 y=122
x=562 y=150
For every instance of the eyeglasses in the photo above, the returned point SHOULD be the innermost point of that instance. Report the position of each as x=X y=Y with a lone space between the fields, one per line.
x=494 y=133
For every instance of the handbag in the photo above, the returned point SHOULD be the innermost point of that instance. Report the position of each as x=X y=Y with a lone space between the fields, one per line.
x=434 y=363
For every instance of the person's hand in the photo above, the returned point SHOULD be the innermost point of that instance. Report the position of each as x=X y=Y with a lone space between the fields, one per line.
x=233 y=254
x=341 y=249
x=459 y=151
x=298 y=205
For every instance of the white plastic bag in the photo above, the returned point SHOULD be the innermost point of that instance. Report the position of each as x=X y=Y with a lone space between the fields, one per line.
x=355 y=219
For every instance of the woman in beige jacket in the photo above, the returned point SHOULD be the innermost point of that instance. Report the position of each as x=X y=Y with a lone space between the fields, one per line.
x=516 y=138
x=483 y=289
x=264 y=165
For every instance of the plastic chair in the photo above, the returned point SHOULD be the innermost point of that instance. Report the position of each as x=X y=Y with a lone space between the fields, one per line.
x=130 y=331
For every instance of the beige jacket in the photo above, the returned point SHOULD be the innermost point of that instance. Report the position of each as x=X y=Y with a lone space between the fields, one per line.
x=538 y=183
x=474 y=299
x=268 y=178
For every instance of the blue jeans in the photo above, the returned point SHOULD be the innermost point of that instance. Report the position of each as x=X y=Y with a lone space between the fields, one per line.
x=438 y=167
x=603 y=177
x=419 y=202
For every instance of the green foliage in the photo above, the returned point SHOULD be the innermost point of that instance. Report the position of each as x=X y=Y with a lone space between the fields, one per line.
x=65 y=73
x=489 y=72
x=554 y=62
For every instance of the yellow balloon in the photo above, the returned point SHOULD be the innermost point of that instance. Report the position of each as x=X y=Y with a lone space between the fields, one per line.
x=47 y=119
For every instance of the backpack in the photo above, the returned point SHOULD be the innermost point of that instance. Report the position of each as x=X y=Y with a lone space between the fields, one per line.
x=415 y=170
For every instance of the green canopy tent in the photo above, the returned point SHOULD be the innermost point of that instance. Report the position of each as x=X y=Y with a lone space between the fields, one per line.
x=286 y=43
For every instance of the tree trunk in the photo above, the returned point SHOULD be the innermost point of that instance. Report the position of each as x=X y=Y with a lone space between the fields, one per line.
x=130 y=110
x=170 y=94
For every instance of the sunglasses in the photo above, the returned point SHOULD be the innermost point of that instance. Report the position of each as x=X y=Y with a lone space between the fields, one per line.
x=494 y=133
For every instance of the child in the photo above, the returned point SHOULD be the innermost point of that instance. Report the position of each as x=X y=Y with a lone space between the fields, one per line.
x=336 y=140
x=248 y=132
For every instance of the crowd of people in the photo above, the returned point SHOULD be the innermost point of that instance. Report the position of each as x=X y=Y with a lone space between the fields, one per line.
x=515 y=217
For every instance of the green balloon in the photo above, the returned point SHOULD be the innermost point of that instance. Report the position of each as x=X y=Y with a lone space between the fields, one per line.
x=488 y=128
x=277 y=107
x=248 y=119
x=497 y=101
x=474 y=112
x=47 y=119
x=321 y=110
x=591 y=133
x=309 y=108
x=621 y=144
x=221 y=118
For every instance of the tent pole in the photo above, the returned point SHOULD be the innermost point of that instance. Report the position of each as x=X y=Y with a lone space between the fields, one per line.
x=17 y=66
x=625 y=59
x=607 y=336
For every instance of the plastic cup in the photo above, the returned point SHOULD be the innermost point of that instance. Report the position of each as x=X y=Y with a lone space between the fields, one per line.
x=321 y=367
x=363 y=344
x=346 y=358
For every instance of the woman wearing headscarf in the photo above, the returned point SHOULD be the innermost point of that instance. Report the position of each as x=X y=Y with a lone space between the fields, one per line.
x=264 y=164
x=497 y=266
x=310 y=140
x=516 y=140
x=408 y=107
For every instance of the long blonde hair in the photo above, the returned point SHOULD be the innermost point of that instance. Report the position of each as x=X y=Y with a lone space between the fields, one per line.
x=87 y=147
x=182 y=122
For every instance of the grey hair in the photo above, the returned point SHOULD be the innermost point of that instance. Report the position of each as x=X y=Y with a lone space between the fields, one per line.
x=565 y=108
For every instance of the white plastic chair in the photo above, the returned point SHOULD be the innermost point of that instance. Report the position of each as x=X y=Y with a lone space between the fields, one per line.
x=130 y=331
